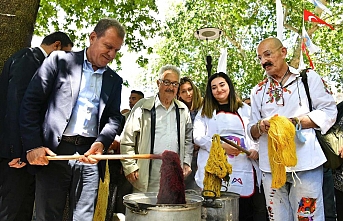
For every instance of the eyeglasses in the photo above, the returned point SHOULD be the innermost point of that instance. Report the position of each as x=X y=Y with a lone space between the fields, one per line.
x=168 y=83
x=266 y=54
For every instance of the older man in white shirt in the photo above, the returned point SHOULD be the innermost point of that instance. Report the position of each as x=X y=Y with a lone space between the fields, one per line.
x=156 y=124
x=283 y=93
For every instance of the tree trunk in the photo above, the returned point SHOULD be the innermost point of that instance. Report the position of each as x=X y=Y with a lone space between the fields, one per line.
x=17 y=20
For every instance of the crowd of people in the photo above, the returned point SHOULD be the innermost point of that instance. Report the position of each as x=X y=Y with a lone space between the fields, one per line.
x=58 y=102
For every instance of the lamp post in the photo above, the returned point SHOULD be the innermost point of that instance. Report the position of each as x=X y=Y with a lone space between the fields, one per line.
x=207 y=34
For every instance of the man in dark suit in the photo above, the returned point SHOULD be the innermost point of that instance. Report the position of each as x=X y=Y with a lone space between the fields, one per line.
x=82 y=97
x=17 y=186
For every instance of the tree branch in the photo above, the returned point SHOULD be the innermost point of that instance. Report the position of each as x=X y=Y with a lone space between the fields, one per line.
x=7 y=15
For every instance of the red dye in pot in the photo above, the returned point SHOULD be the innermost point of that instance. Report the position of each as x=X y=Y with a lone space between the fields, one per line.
x=172 y=186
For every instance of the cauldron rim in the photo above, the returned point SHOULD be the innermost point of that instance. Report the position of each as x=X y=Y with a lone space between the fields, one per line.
x=192 y=200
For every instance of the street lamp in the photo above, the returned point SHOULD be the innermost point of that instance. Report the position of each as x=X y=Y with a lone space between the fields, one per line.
x=207 y=34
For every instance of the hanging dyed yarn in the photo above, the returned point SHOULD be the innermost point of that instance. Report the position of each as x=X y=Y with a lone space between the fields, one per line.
x=281 y=149
x=217 y=168
x=103 y=192
x=172 y=186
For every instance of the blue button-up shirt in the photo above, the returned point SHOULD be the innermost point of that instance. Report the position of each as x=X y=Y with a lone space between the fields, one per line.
x=84 y=119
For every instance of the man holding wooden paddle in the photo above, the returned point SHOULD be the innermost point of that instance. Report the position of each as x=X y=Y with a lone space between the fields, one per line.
x=72 y=106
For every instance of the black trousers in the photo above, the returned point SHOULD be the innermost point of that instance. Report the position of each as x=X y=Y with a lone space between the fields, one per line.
x=58 y=178
x=119 y=187
x=17 y=192
x=339 y=204
x=254 y=207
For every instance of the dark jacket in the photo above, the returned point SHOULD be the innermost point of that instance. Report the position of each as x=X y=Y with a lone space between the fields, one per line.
x=16 y=75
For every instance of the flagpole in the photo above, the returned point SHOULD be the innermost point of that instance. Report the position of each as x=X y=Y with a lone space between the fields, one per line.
x=279 y=20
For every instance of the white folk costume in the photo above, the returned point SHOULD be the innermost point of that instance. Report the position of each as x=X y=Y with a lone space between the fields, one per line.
x=232 y=126
x=264 y=98
x=301 y=196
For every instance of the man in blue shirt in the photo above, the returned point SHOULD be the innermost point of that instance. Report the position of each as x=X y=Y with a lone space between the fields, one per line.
x=82 y=98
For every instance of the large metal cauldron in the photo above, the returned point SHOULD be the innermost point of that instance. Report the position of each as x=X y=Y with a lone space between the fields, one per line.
x=143 y=207
x=223 y=208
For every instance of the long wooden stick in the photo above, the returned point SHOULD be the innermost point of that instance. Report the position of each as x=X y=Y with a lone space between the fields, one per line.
x=235 y=145
x=108 y=157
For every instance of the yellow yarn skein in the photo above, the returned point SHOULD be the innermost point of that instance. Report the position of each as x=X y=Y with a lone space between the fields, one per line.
x=103 y=192
x=217 y=167
x=281 y=148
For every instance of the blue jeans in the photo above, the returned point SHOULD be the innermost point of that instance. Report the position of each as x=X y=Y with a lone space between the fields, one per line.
x=60 y=178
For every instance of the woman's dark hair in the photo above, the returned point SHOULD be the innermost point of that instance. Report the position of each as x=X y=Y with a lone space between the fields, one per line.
x=210 y=103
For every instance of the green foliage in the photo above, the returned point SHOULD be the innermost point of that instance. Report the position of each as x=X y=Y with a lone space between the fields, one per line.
x=72 y=16
x=244 y=24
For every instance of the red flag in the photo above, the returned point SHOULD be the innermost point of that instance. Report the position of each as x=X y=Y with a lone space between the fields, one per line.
x=303 y=47
x=309 y=16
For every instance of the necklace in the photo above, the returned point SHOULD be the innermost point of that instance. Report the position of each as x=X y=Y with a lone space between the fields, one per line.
x=277 y=90
x=283 y=78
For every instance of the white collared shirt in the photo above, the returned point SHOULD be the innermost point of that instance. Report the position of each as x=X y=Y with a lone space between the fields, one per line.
x=166 y=128
x=43 y=51
x=84 y=119
x=166 y=138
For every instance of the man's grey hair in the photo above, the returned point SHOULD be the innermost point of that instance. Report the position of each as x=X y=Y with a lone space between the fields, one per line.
x=107 y=23
x=171 y=68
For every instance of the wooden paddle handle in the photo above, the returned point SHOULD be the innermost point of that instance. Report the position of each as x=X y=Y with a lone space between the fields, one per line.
x=108 y=157
x=235 y=145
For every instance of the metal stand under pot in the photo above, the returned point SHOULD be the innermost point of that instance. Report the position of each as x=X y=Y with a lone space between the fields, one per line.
x=223 y=208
